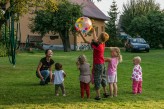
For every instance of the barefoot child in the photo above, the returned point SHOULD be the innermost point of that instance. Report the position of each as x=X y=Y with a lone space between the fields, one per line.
x=116 y=57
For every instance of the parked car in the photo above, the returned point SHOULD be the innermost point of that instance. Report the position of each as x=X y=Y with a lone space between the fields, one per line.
x=136 y=44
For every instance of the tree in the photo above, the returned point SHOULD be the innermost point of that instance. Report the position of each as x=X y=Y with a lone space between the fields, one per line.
x=135 y=8
x=150 y=27
x=61 y=21
x=111 y=28
x=20 y=7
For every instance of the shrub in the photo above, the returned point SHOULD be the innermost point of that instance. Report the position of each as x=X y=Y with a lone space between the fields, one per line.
x=3 y=50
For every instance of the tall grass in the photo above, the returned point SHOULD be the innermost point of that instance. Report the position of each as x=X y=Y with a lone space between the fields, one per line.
x=19 y=87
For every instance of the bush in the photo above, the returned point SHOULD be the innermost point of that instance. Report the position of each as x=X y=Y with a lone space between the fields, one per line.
x=3 y=50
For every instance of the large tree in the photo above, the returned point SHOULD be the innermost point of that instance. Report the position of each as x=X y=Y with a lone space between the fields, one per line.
x=61 y=21
x=20 y=7
x=110 y=26
x=136 y=8
x=150 y=27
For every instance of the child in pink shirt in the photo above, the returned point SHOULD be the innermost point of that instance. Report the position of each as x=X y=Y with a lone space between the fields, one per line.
x=116 y=57
x=137 y=76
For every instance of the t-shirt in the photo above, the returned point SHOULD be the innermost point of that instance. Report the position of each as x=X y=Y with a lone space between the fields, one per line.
x=112 y=66
x=58 y=76
x=46 y=65
x=137 y=73
x=98 y=53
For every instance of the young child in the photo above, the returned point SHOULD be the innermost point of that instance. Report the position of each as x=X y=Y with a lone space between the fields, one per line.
x=98 y=46
x=116 y=57
x=85 y=75
x=58 y=79
x=137 y=76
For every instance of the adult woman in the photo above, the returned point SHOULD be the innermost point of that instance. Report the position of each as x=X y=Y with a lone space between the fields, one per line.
x=44 y=69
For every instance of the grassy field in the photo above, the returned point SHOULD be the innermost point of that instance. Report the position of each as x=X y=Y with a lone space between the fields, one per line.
x=19 y=87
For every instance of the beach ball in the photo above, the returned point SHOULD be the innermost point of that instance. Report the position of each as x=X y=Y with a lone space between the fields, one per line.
x=84 y=24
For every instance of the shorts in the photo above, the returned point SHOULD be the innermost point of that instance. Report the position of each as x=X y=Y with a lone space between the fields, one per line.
x=112 y=78
x=99 y=76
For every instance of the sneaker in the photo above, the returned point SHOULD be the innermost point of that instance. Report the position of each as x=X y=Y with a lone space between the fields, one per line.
x=97 y=98
x=42 y=82
x=106 y=95
x=46 y=82
x=57 y=94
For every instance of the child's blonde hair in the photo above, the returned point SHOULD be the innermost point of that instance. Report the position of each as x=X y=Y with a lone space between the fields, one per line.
x=81 y=59
x=103 y=37
x=137 y=58
x=117 y=50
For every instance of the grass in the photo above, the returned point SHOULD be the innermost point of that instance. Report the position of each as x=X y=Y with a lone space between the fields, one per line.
x=19 y=86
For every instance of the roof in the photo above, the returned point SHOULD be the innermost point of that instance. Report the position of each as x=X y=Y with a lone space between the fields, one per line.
x=90 y=9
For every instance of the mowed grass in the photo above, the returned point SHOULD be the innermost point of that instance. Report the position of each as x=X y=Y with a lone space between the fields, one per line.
x=19 y=87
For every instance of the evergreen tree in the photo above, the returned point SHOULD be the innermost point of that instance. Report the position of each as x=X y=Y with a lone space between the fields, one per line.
x=111 y=27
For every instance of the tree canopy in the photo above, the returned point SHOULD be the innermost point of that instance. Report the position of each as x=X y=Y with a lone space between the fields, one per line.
x=144 y=18
x=61 y=21
x=110 y=26
x=20 y=7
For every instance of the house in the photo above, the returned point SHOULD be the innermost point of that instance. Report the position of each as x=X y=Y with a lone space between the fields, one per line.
x=53 y=41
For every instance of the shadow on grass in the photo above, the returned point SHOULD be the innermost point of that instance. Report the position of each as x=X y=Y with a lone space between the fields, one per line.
x=33 y=93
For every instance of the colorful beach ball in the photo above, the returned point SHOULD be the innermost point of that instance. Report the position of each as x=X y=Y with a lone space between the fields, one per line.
x=84 y=24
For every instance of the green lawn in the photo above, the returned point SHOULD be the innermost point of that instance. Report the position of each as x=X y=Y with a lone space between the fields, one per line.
x=19 y=87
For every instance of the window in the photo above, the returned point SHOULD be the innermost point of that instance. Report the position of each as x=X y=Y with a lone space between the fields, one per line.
x=54 y=37
x=96 y=30
x=102 y=28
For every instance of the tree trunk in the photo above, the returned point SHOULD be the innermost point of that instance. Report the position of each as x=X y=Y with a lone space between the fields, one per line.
x=75 y=40
x=65 y=39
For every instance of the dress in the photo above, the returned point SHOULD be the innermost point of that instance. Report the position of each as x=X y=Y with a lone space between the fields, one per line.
x=112 y=70
x=85 y=78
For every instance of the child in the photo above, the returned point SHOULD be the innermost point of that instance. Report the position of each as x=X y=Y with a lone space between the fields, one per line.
x=137 y=76
x=98 y=46
x=85 y=75
x=58 y=79
x=116 y=57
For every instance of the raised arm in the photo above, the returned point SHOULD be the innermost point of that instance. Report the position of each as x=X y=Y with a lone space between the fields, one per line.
x=81 y=34
x=94 y=35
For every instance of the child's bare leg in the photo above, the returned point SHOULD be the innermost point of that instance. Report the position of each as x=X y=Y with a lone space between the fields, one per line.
x=115 y=89
x=111 y=89
x=56 y=90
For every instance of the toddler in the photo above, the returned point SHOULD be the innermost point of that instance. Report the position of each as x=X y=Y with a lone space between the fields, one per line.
x=137 y=76
x=85 y=75
x=58 y=79
x=116 y=57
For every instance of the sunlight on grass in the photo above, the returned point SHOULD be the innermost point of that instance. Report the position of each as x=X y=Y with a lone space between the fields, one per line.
x=20 y=88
